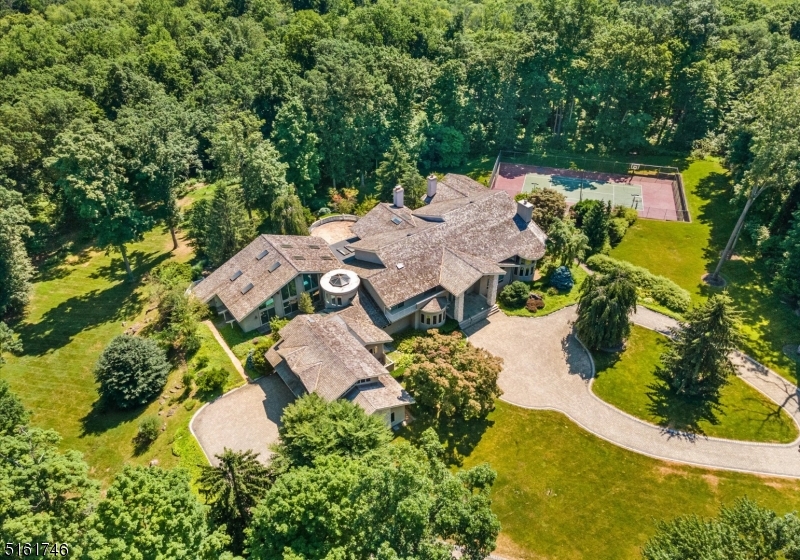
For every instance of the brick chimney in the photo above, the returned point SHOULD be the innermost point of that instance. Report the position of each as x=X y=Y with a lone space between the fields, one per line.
x=432 y=182
x=398 y=196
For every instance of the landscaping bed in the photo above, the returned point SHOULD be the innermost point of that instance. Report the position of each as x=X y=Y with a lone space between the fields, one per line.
x=553 y=301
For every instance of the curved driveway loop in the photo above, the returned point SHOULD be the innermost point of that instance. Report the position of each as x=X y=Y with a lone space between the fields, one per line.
x=545 y=367
x=246 y=418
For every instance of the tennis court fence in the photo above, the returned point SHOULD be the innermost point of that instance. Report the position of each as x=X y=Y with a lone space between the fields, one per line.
x=587 y=168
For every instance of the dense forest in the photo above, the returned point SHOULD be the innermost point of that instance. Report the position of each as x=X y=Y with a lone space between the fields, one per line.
x=108 y=108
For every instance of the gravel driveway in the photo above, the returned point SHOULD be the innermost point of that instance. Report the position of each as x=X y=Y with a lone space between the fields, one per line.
x=245 y=418
x=545 y=367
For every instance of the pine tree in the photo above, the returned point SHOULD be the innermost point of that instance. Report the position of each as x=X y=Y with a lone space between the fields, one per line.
x=595 y=226
x=696 y=361
x=228 y=228
x=604 y=307
x=232 y=489
x=398 y=169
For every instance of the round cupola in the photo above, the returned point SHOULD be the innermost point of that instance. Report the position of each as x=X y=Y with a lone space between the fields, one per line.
x=339 y=287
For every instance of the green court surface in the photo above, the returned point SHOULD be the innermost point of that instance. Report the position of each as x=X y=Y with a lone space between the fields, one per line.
x=575 y=189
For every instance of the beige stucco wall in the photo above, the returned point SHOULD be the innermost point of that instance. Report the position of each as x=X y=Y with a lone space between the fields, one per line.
x=386 y=414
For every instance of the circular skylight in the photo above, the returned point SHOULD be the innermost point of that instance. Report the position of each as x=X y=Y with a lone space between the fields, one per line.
x=340 y=280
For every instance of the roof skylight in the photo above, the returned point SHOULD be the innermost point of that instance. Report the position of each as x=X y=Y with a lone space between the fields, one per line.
x=236 y=275
x=274 y=266
x=397 y=221
x=262 y=254
x=247 y=288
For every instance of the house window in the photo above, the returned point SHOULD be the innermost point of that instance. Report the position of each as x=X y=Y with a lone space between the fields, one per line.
x=267 y=311
x=392 y=418
x=289 y=297
x=310 y=282
x=363 y=381
x=337 y=300
x=501 y=279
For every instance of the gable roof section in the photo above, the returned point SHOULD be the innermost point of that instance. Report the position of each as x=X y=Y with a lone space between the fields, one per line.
x=286 y=257
x=360 y=321
x=323 y=353
x=384 y=393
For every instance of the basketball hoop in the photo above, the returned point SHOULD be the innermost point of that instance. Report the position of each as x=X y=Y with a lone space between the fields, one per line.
x=634 y=167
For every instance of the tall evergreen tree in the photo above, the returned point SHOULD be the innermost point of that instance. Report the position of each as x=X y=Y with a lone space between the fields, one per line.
x=697 y=361
x=398 y=169
x=604 y=308
x=89 y=172
x=287 y=216
x=16 y=270
x=595 y=226
x=226 y=229
x=297 y=144
x=232 y=489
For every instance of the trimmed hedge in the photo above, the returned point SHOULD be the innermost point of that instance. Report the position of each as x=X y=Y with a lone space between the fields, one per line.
x=662 y=290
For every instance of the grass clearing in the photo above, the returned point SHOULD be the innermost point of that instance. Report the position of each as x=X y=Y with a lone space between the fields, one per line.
x=77 y=307
x=684 y=252
x=241 y=343
x=627 y=381
x=562 y=493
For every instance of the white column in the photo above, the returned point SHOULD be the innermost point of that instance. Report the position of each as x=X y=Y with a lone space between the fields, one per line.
x=491 y=297
x=459 y=315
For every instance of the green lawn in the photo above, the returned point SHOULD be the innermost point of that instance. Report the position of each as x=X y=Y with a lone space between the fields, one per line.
x=627 y=382
x=562 y=493
x=241 y=343
x=554 y=302
x=77 y=307
x=685 y=252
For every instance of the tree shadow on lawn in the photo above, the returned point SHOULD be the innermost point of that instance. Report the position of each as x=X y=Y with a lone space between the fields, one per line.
x=459 y=437
x=103 y=417
x=682 y=413
x=59 y=325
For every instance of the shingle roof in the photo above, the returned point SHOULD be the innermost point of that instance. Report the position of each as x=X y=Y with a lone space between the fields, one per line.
x=360 y=321
x=435 y=305
x=323 y=353
x=384 y=393
x=286 y=256
x=452 y=243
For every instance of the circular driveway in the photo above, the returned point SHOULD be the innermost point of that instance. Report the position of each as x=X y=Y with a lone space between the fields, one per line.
x=545 y=367
x=246 y=418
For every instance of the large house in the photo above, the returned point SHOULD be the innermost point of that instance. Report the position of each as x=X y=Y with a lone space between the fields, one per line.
x=403 y=268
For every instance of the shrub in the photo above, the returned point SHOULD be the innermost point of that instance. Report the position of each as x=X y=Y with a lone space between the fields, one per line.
x=212 y=380
x=629 y=214
x=534 y=304
x=276 y=324
x=149 y=429
x=258 y=360
x=616 y=229
x=188 y=378
x=173 y=274
x=561 y=279
x=515 y=294
x=552 y=291
x=304 y=304
x=662 y=290
x=324 y=211
x=131 y=371
x=580 y=209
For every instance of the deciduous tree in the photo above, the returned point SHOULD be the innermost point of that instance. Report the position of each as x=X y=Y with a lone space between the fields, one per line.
x=453 y=377
x=13 y=414
x=220 y=228
x=287 y=216
x=549 y=205
x=8 y=343
x=263 y=176
x=297 y=144
x=16 y=270
x=566 y=243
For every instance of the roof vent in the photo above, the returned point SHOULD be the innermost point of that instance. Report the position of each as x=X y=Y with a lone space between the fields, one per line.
x=314 y=247
x=236 y=275
x=247 y=288
x=400 y=265
x=299 y=257
x=274 y=266
x=286 y=245
x=262 y=254
x=397 y=221
x=326 y=258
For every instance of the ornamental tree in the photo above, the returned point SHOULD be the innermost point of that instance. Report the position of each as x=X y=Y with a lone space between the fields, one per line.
x=566 y=243
x=515 y=294
x=131 y=371
x=604 y=307
x=453 y=377
x=232 y=488
x=152 y=513
x=287 y=216
x=311 y=427
x=549 y=205
x=697 y=361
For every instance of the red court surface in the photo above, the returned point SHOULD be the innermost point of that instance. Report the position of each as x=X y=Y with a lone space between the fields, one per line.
x=657 y=194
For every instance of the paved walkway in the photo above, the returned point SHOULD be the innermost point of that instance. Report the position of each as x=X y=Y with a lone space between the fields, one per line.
x=546 y=367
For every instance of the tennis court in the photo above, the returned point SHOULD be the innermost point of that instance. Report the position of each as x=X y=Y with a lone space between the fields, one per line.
x=576 y=189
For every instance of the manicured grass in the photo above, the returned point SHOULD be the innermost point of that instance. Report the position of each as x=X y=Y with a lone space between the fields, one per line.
x=552 y=303
x=627 y=381
x=562 y=493
x=685 y=252
x=241 y=343
x=77 y=307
